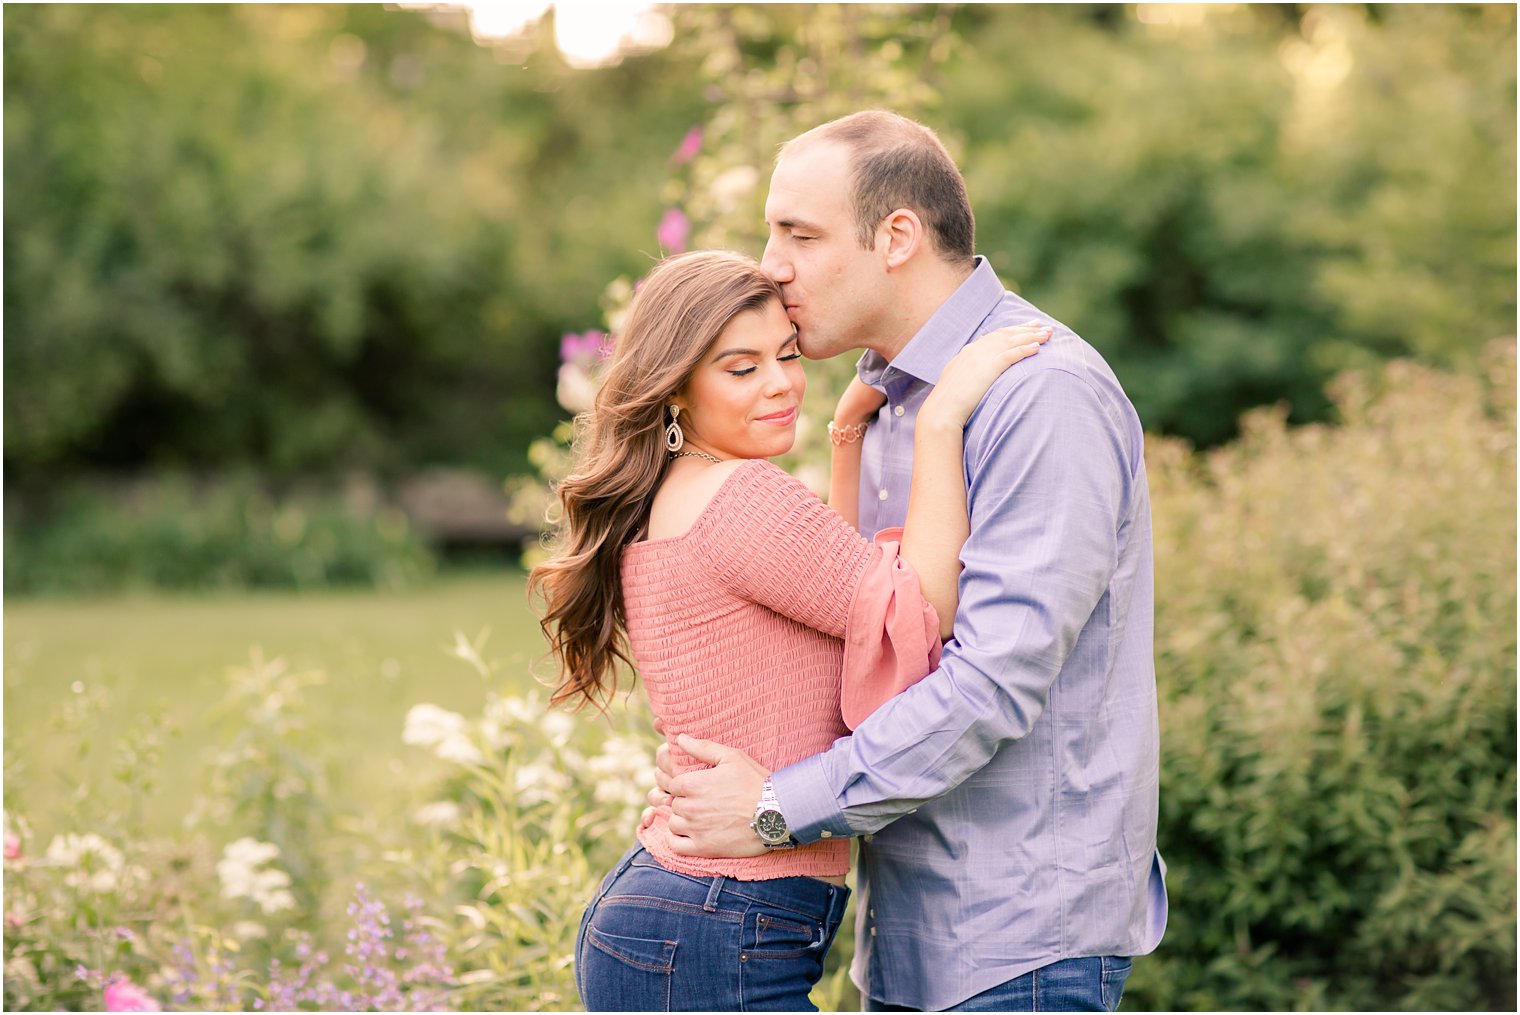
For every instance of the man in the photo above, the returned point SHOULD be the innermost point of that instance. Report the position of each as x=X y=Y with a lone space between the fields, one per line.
x=1006 y=804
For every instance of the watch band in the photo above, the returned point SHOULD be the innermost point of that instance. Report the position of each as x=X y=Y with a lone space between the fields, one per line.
x=770 y=824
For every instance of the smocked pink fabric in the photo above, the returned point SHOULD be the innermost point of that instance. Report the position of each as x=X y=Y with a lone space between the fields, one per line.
x=765 y=626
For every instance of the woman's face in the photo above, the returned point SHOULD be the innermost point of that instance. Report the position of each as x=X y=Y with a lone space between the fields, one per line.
x=742 y=401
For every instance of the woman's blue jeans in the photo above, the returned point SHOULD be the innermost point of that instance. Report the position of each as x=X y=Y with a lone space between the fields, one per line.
x=655 y=940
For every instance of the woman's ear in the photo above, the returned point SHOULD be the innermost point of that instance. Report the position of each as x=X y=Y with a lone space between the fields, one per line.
x=899 y=237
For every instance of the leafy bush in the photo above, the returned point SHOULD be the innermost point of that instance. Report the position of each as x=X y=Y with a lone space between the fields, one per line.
x=305 y=237
x=226 y=533
x=1236 y=208
x=1336 y=656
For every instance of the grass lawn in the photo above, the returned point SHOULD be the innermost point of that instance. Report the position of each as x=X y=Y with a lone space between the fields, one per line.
x=378 y=654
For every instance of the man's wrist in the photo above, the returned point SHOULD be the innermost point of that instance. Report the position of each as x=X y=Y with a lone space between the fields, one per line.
x=812 y=811
x=770 y=824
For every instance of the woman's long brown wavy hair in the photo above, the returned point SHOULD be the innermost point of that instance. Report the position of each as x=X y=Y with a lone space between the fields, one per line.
x=620 y=457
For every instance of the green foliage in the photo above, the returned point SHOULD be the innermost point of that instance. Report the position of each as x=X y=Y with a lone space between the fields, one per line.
x=296 y=236
x=1232 y=210
x=535 y=807
x=300 y=238
x=1336 y=658
x=228 y=533
x=1413 y=164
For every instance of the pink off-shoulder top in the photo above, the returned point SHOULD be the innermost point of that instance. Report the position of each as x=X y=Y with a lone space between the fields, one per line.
x=772 y=626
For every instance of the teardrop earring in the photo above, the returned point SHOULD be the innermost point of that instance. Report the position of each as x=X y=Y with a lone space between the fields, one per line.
x=674 y=438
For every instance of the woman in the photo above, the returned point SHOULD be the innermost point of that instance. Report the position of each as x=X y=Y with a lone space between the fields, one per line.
x=755 y=614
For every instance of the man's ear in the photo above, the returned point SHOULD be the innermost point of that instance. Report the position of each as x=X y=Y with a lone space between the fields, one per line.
x=899 y=237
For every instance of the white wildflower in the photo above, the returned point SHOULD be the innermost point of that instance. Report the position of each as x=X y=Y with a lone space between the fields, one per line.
x=504 y=715
x=18 y=971
x=558 y=727
x=459 y=749
x=539 y=781
x=438 y=814
x=429 y=725
x=96 y=864
x=731 y=186
x=249 y=930
x=515 y=710
x=244 y=875
x=576 y=390
x=621 y=770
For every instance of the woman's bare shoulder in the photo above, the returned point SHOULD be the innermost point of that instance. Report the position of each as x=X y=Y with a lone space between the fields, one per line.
x=685 y=495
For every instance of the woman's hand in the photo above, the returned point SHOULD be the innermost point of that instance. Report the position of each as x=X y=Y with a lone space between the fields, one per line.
x=858 y=404
x=968 y=376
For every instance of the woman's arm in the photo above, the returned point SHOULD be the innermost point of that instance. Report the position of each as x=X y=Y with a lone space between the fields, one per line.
x=938 y=523
x=857 y=408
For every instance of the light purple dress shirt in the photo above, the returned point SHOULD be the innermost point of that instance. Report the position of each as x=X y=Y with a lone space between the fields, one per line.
x=1007 y=802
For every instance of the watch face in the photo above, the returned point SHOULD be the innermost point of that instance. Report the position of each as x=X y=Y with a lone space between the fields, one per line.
x=771 y=826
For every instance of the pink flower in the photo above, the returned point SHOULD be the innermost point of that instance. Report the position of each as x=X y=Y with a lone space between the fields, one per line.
x=673 y=230
x=124 y=995
x=586 y=349
x=690 y=145
x=12 y=848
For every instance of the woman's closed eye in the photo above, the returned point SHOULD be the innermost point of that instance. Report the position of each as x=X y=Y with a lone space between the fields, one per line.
x=785 y=357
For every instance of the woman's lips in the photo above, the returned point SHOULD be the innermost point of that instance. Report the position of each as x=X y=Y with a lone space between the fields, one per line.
x=780 y=418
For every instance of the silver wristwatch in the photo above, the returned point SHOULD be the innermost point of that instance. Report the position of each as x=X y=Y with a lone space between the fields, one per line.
x=770 y=823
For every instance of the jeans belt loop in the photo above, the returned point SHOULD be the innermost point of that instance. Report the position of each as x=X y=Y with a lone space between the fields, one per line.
x=711 y=905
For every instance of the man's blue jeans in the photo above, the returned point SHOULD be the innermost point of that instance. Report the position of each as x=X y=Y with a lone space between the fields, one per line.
x=1068 y=985
x=656 y=940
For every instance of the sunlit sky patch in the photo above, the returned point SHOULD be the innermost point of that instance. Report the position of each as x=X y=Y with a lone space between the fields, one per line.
x=588 y=33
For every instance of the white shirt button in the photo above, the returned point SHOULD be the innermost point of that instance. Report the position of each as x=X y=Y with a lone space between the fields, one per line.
x=825 y=834
x=882 y=495
x=897 y=410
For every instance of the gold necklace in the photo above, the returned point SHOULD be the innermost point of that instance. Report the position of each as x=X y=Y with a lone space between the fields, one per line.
x=695 y=454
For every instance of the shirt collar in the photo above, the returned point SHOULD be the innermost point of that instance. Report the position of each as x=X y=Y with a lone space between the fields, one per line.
x=943 y=335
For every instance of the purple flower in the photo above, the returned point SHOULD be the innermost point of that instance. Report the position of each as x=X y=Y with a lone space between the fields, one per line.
x=690 y=145
x=673 y=230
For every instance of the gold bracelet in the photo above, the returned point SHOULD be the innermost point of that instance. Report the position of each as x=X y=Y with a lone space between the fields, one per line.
x=847 y=434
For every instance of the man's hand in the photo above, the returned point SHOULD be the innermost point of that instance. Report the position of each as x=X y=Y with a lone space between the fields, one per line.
x=711 y=809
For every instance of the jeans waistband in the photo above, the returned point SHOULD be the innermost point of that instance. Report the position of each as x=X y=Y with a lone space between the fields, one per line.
x=807 y=895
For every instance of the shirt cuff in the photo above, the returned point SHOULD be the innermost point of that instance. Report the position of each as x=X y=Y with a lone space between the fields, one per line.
x=809 y=806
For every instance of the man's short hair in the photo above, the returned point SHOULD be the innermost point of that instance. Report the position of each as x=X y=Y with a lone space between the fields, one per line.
x=899 y=163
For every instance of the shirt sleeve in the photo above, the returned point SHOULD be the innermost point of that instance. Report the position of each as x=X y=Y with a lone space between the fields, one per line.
x=892 y=637
x=783 y=548
x=1049 y=478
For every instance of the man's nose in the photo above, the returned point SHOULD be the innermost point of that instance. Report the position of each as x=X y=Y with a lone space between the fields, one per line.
x=774 y=265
